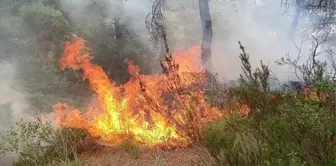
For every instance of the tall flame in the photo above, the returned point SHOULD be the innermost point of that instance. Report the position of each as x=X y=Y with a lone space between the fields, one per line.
x=150 y=109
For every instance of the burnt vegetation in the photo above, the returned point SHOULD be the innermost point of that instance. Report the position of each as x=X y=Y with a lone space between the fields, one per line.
x=293 y=124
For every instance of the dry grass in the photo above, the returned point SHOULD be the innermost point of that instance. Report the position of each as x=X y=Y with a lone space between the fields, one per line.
x=106 y=156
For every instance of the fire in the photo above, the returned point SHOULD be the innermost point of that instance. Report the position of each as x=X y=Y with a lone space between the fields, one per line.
x=165 y=109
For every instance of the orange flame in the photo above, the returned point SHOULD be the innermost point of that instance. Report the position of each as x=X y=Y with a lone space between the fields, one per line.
x=151 y=109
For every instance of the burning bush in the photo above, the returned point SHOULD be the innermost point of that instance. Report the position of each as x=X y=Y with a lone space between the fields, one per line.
x=166 y=109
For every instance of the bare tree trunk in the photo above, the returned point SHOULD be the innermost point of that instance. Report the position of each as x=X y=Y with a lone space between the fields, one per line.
x=207 y=33
x=118 y=29
x=296 y=19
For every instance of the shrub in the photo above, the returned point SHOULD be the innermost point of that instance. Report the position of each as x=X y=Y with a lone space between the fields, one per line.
x=283 y=128
x=37 y=16
x=37 y=143
x=232 y=141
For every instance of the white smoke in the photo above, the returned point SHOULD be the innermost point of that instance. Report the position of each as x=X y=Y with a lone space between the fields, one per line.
x=13 y=103
x=262 y=26
x=263 y=30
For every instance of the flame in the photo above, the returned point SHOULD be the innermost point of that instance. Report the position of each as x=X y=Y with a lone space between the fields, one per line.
x=150 y=109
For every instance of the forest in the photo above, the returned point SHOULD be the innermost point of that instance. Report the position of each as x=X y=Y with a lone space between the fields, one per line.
x=168 y=82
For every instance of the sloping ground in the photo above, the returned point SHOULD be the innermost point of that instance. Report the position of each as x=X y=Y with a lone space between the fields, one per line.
x=119 y=157
x=6 y=161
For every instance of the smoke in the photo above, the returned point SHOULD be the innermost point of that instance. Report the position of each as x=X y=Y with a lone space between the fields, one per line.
x=264 y=38
x=13 y=103
x=90 y=13
x=262 y=28
x=232 y=22
x=17 y=51
x=265 y=33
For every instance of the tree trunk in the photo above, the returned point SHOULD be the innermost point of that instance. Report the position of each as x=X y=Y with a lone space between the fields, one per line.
x=207 y=33
x=296 y=19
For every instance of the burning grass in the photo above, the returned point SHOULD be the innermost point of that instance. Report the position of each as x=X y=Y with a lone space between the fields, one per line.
x=152 y=110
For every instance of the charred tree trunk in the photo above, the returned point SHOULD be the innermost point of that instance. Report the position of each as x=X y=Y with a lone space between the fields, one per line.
x=207 y=33
x=118 y=29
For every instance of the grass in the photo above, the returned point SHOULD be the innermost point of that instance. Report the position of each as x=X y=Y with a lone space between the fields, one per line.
x=131 y=148
x=75 y=162
x=159 y=160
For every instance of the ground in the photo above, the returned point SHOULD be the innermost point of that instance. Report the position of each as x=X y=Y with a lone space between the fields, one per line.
x=119 y=157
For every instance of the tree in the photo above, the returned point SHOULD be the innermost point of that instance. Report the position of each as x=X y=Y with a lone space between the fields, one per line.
x=320 y=12
x=297 y=15
x=207 y=33
x=156 y=26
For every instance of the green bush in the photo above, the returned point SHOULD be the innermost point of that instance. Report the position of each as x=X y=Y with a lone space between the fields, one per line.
x=40 y=17
x=283 y=128
x=37 y=143
x=232 y=141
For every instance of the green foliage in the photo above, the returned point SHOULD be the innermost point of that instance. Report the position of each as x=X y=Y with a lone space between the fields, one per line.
x=40 y=60
x=37 y=15
x=37 y=143
x=283 y=128
x=252 y=83
x=232 y=141
x=40 y=17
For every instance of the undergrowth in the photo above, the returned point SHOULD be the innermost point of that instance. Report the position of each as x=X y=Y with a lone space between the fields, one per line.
x=284 y=127
x=38 y=143
x=131 y=148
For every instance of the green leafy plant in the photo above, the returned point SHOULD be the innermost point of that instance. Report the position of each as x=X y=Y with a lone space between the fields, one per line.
x=37 y=16
x=37 y=143
x=284 y=127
